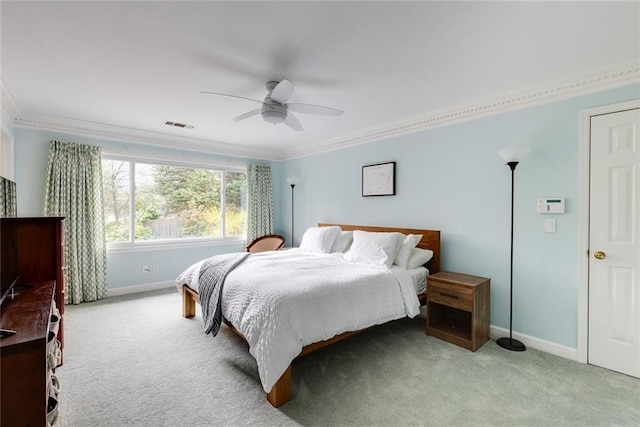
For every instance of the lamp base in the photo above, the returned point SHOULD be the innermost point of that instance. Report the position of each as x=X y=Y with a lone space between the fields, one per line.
x=511 y=344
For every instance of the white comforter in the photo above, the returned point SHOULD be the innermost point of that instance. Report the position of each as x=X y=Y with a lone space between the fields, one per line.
x=283 y=300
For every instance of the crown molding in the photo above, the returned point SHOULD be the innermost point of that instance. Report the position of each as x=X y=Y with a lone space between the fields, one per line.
x=138 y=136
x=90 y=129
x=624 y=73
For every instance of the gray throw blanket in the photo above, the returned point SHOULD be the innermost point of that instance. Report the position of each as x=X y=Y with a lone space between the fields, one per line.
x=213 y=273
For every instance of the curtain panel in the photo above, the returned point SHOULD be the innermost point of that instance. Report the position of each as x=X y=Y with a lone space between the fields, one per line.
x=74 y=191
x=7 y=198
x=260 y=202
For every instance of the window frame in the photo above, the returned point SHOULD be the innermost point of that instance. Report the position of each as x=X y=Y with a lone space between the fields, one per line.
x=166 y=244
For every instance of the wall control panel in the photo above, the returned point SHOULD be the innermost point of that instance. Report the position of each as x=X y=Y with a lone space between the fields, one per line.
x=551 y=205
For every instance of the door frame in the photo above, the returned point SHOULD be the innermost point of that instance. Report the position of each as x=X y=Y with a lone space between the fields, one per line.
x=584 y=172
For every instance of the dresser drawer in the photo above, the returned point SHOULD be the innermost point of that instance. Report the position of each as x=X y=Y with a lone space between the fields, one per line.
x=452 y=296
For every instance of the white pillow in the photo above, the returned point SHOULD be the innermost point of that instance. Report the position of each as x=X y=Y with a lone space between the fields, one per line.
x=407 y=246
x=319 y=239
x=343 y=242
x=418 y=258
x=374 y=248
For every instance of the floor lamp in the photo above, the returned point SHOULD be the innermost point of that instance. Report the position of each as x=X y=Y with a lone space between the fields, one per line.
x=292 y=183
x=512 y=157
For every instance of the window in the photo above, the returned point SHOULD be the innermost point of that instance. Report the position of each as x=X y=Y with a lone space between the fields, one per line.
x=147 y=202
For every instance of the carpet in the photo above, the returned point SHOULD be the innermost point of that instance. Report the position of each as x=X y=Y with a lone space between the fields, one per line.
x=134 y=361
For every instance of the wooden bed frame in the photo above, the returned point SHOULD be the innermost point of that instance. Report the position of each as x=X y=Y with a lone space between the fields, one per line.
x=281 y=391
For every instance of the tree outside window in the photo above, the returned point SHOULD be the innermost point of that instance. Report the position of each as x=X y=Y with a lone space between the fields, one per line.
x=172 y=202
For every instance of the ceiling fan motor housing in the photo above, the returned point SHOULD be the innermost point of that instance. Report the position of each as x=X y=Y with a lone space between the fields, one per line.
x=273 y=112
x=275 y=107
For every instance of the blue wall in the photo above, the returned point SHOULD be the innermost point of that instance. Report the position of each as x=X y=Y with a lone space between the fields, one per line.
x=452 y=179
x=448 y=178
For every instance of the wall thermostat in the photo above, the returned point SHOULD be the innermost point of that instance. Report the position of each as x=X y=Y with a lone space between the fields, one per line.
x=551 y=205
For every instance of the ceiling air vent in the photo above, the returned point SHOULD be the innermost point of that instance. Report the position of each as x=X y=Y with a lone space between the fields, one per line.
x=179 y=125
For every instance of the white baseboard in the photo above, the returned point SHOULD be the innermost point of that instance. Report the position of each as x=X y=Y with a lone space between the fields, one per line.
x=496 y=332
x=134 y=289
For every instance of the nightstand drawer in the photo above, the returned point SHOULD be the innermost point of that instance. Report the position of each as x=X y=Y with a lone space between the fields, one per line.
x=452 y=296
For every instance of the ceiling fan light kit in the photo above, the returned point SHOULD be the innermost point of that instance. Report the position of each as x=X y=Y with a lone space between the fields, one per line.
x=272 y=112
x=275 y=108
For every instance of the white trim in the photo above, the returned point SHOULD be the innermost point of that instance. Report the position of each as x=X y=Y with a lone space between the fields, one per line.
x=138 y=136
x=583 y=219
x=583 y=236
x=134 y=289
x=124 y=154
x=496 y=332
x=621 y=74
x=133 y=245
x=164 y=245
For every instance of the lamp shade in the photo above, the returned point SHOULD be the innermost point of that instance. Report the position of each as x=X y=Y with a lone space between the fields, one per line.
x=513 y=154
x=291 y=180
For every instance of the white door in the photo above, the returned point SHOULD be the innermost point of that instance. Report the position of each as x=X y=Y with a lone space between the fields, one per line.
x=614 y=248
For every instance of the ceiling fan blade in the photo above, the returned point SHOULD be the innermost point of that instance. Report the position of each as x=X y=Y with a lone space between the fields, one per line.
x=247 y=115
x=282 y=92
x=231 y=96
x=314 y=109
x=292 y=122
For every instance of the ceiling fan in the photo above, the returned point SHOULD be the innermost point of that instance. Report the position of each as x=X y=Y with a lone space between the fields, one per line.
x=275 y=108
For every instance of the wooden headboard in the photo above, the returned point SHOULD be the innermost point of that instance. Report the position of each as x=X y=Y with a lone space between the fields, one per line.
x=430 y=239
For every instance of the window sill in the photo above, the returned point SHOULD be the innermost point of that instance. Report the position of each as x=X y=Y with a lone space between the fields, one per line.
x=172 y=245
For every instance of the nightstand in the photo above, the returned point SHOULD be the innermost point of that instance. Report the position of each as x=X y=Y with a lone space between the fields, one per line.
x=458 y=308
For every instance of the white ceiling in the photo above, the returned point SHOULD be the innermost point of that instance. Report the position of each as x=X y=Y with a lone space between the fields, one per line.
x=121 y=69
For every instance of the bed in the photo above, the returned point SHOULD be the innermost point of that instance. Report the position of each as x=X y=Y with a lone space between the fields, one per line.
x=278 y=322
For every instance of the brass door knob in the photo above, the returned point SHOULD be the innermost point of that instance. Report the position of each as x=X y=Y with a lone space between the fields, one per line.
x=599 y=255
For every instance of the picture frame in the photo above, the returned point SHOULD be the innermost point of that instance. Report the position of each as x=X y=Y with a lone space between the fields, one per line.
x=379 y=179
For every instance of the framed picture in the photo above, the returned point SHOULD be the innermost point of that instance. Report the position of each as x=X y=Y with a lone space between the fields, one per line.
x=379 y=179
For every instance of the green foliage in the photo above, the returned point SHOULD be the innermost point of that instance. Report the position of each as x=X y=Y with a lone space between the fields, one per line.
x=173 y=202
x=117 y=232
x=187 y=187
x=235 y=188
x=236 y=221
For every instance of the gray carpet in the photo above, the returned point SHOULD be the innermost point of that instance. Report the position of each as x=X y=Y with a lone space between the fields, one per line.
x=133 y=360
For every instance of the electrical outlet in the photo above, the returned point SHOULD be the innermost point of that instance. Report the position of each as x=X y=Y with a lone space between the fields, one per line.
x=146 y=269
x=155 y=268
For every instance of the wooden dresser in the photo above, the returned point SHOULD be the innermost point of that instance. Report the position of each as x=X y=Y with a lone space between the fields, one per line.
x=28 y=390
x=38 y=245
x=25 y=366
